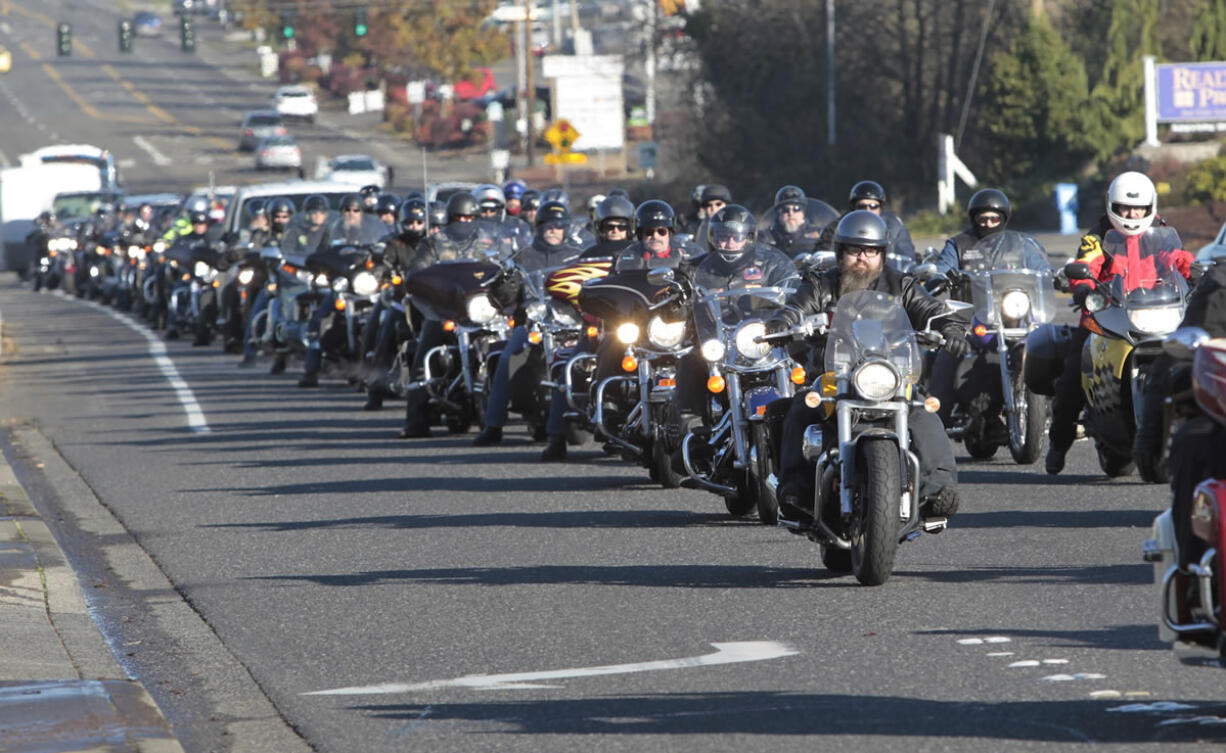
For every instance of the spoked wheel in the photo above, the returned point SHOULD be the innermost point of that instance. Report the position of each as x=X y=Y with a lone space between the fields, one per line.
x=1027 y=422
x=764 y=465
x=874 y=529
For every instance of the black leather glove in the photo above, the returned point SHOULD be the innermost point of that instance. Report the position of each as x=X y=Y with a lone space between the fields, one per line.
x=776 y=326
x=1080 y=292
x=955 y=341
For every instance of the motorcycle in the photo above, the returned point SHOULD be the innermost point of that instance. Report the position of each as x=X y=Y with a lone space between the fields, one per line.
x=1010 y=302
x=193 y=271
x=746 y=375
x=1127 y=327
x=458 y=293
x=50 y=271
x=1192 y=584
x=866 y=476
x=633 y=411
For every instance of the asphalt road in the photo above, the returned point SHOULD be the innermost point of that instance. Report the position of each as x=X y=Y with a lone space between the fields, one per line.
x=322 y=553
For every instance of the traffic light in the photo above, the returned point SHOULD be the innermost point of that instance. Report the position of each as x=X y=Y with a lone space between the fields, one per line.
x=287 y=26
x=359 y=22
x=125 y=36
x=187 y=34
x=63 y=39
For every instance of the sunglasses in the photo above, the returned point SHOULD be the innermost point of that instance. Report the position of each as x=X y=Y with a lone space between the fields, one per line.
x=989 y=219
x=616 y=226
x=281 y=216
x=352 y=211
x=792 y=209
x=868 y=251
x=868 y=205
x=663 y=232
x=415 y=222
x=716 y=204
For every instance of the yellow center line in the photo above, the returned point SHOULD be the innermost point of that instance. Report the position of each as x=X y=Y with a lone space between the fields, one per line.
x=49 y=22
x=28 y=49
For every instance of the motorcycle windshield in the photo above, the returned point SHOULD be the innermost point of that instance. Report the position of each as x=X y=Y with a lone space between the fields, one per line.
x=1003 y=287
x=367 y=230
x=301 y=238
x=1165 y=287
x=1143 y=268
x=869 y=324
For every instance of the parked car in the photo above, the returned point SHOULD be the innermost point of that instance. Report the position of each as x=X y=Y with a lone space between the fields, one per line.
x=296 y=102
x=257 y=126
x=278 y=152
x=358 y=169
x=146 y=24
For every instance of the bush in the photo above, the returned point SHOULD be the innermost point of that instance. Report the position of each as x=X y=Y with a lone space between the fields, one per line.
x=930 y=223
x=1206 y=181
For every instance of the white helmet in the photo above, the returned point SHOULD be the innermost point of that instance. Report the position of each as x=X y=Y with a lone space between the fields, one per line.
x=594 y=202
x=1132 y=189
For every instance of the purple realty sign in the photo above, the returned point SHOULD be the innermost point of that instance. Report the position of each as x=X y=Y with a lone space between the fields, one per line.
x=1191 y=92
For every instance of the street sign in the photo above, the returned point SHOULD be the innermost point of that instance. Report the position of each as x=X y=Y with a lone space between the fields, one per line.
x=561 y=135
x=649 y=155
x=566 y=158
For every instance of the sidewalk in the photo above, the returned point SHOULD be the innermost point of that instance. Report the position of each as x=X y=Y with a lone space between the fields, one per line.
x=61 y=688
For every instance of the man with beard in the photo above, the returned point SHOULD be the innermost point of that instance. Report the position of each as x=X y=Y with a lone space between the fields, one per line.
x=860 y=241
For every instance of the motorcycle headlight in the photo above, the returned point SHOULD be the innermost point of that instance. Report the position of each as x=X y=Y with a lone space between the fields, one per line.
x=1095 y=302
x=321 y=280
x=1156 y=321
x=159 y=247
x=340 y=284
x=536 y=311
x=628 y=333
x=93 y=272
x=713 y=350
x=664 y=334
x=745 y=338
x=201 y=270
x=365 y=283
x=481 y=309
x=135 y=252
x=1015 y=304
x=875 y=380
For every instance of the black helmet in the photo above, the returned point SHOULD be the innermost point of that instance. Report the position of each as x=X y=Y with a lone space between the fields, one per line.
x=553 y=213
x=388 y=203
x=280 y=205
x=368 y=191
x=196 y=218
x=860 y=228
x=413 y=209
x=531 y=200
x=352 y=201
x=315 y=203
x=696 y=195
x=989 y=199
x=619 y=192
x=790 y=195
x=654 y=213
x=556 y=194
x=257 y=208
x=716 y=192
x=733 y=222
x=614 y=207
x=866 y=189
x=462 y=204
x=438 y=213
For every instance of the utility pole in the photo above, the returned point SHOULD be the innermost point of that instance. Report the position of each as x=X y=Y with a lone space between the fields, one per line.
x=557 y=27
x=649 y=64
x=521 y=71
x=530 y=83
x=831 y=131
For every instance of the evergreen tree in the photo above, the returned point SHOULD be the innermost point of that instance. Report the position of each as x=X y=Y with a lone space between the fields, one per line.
x=1119 y=95
x=1209 y=31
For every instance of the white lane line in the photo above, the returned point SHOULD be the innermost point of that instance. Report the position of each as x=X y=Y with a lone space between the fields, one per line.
x=157 y=350
x=999 y=653
x=1024 y=663
x=1141 y=708
x=159 y=159
x=725 y=653
x=981 y=641
x=1078 y=676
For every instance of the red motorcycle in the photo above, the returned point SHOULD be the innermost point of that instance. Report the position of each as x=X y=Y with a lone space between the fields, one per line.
x=1188 y=555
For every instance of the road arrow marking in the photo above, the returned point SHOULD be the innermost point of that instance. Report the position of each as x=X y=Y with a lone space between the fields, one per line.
x=725 y=653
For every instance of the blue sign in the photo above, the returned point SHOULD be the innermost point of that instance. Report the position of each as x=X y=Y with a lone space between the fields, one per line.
x=1066 y=204
x=1191 y=92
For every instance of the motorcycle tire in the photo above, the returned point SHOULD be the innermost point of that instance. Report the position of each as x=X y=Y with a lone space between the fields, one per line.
x=746 y=498
x=874 y=530
x=1114 y=464
x=662 y=466
x=836 y=560
x=978 y=447
x=1026 y=446
x=767 y=500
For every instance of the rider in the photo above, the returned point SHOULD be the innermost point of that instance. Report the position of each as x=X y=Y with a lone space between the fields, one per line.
x=614 y=221
x=528 y=204
x=199 y=222
x=370 y=197
x=1132 y=208
x=386 y=208
x=860 y=242
x=514 y=190
x=791 y=231
x=989 y=211
x=689 y=223
x=869 y=195
x=549 y=249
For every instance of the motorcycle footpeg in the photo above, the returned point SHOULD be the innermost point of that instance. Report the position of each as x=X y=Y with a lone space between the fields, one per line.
x=935 y=525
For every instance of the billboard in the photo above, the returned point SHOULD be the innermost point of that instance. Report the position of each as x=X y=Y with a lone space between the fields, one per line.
x=1191 y=92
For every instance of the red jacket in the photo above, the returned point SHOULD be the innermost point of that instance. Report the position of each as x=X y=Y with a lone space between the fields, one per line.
x=1137 y=258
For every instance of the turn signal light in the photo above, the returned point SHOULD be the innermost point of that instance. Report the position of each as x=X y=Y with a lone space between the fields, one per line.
x=186 y=277
x=217 y=283
x=980 y=330
x=340 y=304
x=798 y=375
x=397 y=279
x=761 y=410
x=932 y=404
x=592 y=332
x=370 y=264
x=630 y=363
x=535 y=338
x=449 y=326
x=667 y=382
x=716 y=384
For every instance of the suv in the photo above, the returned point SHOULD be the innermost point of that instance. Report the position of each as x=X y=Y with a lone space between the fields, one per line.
x=257 y=126
x=295 y=102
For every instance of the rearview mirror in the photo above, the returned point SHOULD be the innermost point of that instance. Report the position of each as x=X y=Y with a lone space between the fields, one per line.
x=1183 y=342
x=958 y=311
x=1077 y=270
x=660 y=276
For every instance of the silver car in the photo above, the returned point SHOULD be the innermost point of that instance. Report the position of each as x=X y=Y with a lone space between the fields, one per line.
x=257 y=126
x=278 y=152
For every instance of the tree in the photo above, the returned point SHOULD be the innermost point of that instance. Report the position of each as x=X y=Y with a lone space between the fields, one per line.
x=1034 y=103
x=1119 y=105
x=444 y=37
x=1209 y=31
